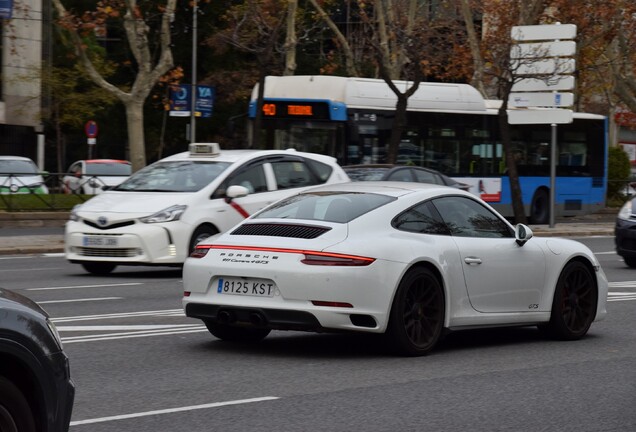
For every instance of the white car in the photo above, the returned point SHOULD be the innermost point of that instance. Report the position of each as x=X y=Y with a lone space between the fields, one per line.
x=161 y=212
x=410 y=260
x=20 y=175
x=94 y=176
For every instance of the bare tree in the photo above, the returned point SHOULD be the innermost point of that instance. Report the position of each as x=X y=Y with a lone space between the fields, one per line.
x=498 y=18
x=148 y=68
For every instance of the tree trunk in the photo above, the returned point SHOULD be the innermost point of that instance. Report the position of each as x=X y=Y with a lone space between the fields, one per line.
x=511 y=165
x=290 y=39
x=477 y=79
x=135 y=122
x=258 y=117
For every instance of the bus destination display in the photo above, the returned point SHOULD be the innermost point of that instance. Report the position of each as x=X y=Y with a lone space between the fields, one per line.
x=288 y=109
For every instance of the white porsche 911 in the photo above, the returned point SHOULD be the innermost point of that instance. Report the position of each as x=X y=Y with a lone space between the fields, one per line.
x=409 y=260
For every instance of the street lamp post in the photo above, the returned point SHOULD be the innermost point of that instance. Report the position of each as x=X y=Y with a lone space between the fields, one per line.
x=193 y=87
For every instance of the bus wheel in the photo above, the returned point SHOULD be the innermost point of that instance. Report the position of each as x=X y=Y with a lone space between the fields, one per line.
x=540 y=207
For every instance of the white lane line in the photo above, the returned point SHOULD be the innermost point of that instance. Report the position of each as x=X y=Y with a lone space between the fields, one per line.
x=31 y=269
x=84 y=286
x=80 y=300
x=605 y=253
x=621 y=296
x=123 y=327
x=173 y=410
x=624 y=284
x=130 y=335
x=167 y=312
x=133 y=333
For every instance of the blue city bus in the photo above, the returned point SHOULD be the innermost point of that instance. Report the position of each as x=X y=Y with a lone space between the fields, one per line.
x=450 y=127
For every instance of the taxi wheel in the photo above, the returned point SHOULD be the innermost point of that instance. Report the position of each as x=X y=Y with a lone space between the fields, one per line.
x=417 y=315
x=574 y=304
x=201 y=234
x=236 y=334
x=99 y=268
x=15 y=412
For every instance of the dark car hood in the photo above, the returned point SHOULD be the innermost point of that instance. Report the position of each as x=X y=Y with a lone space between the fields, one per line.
x=8 y=296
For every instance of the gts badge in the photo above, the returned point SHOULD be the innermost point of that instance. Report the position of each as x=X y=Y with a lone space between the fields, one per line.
x=533 y=306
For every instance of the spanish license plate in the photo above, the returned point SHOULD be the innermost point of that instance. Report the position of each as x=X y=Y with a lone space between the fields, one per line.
x=246 y=286
x=100 y=241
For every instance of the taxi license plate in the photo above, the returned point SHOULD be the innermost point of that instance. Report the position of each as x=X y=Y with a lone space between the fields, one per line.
x=246 y=286
x=100 y=241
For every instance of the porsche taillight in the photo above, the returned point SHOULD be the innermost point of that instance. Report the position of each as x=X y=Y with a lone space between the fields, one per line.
x=310 y=257
x=330 y=259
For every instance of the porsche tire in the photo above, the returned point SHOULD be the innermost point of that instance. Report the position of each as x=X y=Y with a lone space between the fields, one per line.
x=417 y=315
x=574 y=304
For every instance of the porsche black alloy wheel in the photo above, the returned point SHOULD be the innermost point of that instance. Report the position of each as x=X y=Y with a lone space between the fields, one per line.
x=417 y=315
x=574 y=304
x=236 y=334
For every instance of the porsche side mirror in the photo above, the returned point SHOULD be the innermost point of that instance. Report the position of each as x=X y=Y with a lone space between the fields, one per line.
x=523 y=233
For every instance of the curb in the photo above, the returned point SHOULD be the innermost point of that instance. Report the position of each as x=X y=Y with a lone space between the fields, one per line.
x=33 y=219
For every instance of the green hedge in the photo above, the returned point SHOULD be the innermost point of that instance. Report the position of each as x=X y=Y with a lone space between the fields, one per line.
x=618 y=172
x=40 y=202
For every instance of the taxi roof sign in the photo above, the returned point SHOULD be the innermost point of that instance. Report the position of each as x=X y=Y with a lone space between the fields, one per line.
x=204 y=149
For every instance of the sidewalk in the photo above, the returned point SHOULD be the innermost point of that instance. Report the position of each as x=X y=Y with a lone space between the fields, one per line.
x=37 y=244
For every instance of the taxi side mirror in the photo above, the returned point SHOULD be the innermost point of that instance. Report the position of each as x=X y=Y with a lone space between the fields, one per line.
x=235 y=191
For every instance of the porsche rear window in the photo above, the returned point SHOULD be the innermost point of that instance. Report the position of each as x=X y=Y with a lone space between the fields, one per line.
x=341 y=207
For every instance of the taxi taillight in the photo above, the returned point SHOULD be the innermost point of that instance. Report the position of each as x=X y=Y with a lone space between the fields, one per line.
x=199 y=252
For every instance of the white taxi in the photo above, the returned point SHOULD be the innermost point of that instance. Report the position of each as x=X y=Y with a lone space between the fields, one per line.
x=160 y=213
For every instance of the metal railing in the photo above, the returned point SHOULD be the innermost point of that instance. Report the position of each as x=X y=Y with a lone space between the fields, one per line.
x=49 y=192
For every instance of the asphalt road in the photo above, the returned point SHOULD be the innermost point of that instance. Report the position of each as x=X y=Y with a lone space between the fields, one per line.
x=140 y=365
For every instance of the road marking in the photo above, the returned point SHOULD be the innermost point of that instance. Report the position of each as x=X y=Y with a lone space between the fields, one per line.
x=31 y=269
x=173 y=410
x=167 y=312
x=80 y=300
x=129 y=335
x=623 y=284
x=123 y=327
x=605 y=253
x=85 y=286
x=621 y=296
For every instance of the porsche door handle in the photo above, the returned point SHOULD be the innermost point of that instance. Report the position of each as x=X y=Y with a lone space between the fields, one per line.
x=472 y=260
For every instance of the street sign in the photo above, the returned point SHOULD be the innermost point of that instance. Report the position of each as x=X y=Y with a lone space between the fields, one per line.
x=540 y=116
x=543 y=49
x=541 y=99
x=548 y=66
x=6 y=9
x=543 y=32
x=558 y=82
x=90 y=128
x=205 y=101
x=180 y=100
